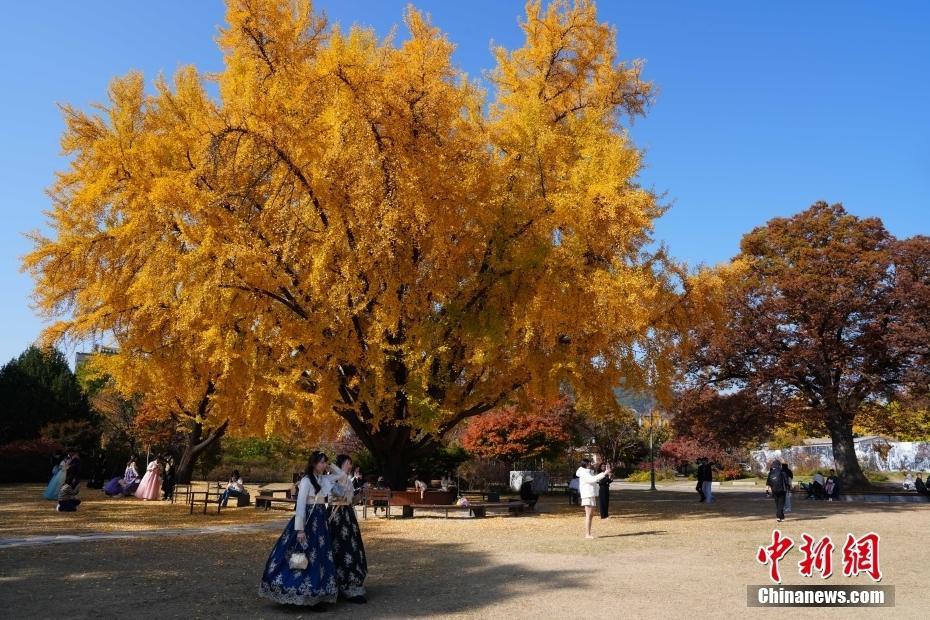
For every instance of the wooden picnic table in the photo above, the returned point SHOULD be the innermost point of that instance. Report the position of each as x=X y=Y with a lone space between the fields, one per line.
x=266 y=500
x=477 y=510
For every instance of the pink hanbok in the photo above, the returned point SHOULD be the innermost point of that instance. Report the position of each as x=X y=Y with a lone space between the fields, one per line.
x=150 y=487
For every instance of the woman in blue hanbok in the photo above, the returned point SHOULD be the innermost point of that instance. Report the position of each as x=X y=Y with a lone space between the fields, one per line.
x=346 y=537
x=58 y=479
x=307 y=539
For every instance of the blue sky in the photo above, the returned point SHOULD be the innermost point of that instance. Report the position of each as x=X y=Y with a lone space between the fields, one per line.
x=763 y=108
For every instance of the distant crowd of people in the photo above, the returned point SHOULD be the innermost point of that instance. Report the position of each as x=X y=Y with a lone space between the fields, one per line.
x=64 y=485
x=910 y=484
x=158 y=481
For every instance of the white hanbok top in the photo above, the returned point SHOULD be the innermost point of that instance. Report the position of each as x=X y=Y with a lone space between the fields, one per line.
x=307 y=496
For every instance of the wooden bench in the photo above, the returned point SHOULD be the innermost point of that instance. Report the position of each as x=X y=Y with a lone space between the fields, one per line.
x=478 y=511
x=213 y=493
x=482 y=496
x=241 y=501
x=181 y=488
x=273 y=489
x=265 y=501
x=561 y=486
x=207 y=495
x=377 y=498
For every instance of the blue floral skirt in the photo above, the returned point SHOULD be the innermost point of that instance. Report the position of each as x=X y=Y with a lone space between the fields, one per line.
x=310 y=586
x=348 y=551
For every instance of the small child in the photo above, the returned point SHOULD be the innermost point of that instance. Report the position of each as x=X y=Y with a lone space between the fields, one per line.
x=68 y=500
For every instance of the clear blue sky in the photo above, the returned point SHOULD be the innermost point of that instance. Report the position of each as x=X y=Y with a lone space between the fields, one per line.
x=763 y=108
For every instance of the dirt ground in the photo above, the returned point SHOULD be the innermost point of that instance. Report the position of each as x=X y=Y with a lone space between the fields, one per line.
x=660 y=555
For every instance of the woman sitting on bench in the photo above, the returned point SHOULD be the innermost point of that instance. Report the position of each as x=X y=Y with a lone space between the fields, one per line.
x=235 y=488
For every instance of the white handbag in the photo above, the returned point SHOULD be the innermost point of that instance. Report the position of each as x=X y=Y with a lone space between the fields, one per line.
x=297 y=560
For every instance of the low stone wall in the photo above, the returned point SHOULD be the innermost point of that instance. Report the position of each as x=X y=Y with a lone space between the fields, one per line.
x=875 y=454
x=884 y=498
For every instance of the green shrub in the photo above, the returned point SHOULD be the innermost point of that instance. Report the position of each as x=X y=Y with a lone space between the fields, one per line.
x=876 y=476
x=645 y=476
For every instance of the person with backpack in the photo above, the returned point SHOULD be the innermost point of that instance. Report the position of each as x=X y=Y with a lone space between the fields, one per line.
x=778 y=484
x=790 y=474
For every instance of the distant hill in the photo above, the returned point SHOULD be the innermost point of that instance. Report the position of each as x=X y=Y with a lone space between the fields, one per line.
x=637 y=401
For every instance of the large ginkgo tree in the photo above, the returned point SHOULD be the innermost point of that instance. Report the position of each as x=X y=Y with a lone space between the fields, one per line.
x=353 y=227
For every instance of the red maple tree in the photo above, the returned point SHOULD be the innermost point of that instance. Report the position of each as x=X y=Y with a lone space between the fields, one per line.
x=514 y=433
x=825 y=313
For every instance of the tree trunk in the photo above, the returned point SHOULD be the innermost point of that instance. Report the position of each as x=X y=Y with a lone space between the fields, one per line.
x=195 y=447
x=393 y=448
x=395 y=467
x=844 y=452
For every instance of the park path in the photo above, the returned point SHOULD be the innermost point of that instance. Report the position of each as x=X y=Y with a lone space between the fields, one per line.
x=57 y=539
x=678 y=492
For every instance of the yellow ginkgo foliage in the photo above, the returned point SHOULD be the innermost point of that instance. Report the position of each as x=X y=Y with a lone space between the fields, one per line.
x=352 y=227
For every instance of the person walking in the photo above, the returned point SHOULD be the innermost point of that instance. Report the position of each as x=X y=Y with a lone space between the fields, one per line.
x=790 y=474
x=708 y=481
x=588 y=489
x=699 y=487
x=603 y=492
x=778 y=484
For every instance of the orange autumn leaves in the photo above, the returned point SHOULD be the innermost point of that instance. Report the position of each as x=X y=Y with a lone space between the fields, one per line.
x=515 y=433
x=354 y=230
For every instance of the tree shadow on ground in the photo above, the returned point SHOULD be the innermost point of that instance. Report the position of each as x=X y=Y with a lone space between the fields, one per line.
x=218 y=576
x=427 y=578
